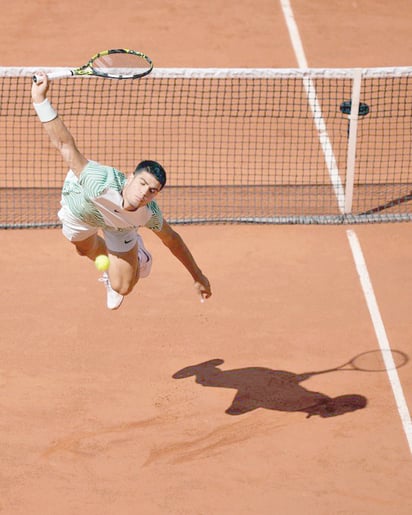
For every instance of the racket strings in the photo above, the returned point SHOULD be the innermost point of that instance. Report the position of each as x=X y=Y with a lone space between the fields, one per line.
x=379 y=360
x=125 y=62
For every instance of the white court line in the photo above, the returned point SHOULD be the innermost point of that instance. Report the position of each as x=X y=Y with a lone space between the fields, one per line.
x=381 y=335
x=359 y=259
x=315 y=106
x=294 y=33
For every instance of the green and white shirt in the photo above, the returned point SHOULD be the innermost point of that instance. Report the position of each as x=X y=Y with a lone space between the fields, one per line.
x=95 y=198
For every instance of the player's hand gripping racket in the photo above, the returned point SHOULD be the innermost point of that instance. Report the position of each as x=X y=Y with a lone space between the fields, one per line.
x=120 y=63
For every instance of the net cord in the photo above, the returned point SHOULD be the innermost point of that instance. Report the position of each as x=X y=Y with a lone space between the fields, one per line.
x=219 y=73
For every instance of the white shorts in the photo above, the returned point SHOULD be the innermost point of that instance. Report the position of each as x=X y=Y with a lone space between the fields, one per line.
x=75 y=229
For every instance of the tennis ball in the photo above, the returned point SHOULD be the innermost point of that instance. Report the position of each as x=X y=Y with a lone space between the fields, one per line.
x=102 y=263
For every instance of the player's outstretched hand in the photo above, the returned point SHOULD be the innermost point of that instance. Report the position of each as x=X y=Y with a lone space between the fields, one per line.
x=202 y=287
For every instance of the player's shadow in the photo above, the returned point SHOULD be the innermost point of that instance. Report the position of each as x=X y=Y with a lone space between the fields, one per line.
x=259 y=387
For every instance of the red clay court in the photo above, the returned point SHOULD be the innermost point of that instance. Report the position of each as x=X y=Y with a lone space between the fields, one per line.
x=100 y=415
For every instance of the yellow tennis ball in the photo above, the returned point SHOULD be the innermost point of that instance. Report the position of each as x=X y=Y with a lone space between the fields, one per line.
x=102 y=263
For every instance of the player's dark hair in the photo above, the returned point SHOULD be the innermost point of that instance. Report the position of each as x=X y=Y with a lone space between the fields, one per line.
x=154 y=168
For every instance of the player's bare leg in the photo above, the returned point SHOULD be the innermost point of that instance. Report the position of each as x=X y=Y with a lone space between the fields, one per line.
x=124 y=270
x=91 y=247
x=123 y=273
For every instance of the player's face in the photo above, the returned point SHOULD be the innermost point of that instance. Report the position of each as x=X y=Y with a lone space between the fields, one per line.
x=139 y=190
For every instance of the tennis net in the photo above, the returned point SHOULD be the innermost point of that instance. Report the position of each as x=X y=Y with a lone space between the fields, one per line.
x=239 y=145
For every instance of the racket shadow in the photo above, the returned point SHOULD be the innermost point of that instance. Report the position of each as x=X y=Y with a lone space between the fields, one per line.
x=280 y=390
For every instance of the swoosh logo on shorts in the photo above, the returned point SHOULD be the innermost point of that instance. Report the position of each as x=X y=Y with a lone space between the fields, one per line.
x=127 y=241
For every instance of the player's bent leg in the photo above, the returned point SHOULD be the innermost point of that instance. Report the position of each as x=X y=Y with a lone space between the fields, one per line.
x=91 y=247
x=129 y=259
x=119 y=281
x=123 y=270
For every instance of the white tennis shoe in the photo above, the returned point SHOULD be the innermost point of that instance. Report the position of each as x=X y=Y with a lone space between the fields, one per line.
x=114 y=299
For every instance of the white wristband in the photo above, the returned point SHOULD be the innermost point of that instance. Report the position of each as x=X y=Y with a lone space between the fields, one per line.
x=45 y=111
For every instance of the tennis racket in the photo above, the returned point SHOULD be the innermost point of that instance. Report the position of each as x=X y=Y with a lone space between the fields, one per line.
x=120 y=63
x=388 y=205
x=372 y=361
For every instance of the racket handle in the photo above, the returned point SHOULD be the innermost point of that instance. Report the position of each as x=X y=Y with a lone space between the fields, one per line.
x=60 y=74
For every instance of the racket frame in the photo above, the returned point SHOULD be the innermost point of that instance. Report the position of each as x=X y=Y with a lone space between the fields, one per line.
x=351 y=366
x=87 y=70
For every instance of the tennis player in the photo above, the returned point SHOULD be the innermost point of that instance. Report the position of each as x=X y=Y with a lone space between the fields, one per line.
x=102 y=210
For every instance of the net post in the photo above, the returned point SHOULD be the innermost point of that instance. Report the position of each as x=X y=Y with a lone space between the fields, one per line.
x=353 y=130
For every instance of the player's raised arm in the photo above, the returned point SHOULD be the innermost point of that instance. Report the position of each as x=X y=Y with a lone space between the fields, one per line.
x=58 y=133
